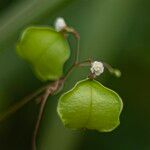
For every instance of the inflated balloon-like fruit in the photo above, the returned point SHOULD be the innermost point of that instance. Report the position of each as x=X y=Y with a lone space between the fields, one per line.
x=46 y=50
x=90 y=105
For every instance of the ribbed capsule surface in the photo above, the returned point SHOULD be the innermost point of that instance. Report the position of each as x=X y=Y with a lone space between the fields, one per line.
x=90 y=105
x=46 y=50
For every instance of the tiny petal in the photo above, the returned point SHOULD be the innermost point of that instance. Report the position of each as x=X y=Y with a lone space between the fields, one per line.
x=97 y=68
x=60 y=24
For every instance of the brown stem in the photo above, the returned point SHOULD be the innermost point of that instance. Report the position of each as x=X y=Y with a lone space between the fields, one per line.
x=44 y=99
x=75 y=33
x=77 y=36
x=49 y=91
x=79 y=64
x=21 y=103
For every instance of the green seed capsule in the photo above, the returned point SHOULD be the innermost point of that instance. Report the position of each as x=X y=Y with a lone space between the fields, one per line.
x=46 y=50
x=90 y=105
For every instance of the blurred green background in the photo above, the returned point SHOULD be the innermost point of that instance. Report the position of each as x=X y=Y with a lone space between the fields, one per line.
x=115 y=31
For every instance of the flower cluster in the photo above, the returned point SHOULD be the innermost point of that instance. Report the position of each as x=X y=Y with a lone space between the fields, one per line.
x=97 y=68
x=60 y=24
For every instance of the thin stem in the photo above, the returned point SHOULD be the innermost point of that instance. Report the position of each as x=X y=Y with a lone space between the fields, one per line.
x=85 y=63
x=79 y=64
x=78 y=50
x=109 y=67
x=77 y=36
x=21 y=103
x=44 y=100
x=113 y=71
x=49 y=91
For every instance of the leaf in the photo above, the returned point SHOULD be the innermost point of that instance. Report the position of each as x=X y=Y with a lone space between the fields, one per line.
x=90 y=105
x=46 y=50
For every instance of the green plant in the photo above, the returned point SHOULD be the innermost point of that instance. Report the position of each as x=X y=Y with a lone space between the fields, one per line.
x=89 y=104
x=46 y=50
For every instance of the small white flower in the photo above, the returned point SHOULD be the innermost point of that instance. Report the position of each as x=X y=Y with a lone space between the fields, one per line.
x=60 y=24
x=97 y=68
